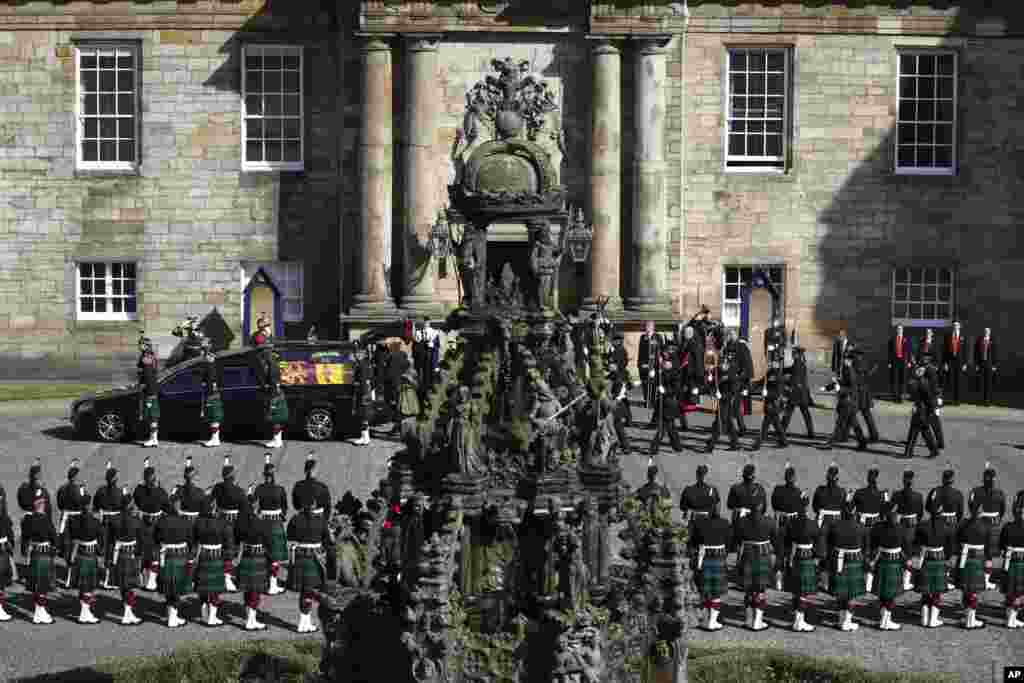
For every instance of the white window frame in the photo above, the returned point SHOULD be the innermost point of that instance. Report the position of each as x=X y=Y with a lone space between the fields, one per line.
x=279 y=272
x=954 y=157
x=100 y=46
x=109 y=314
x=275 y=165
x=771 y=164
x=733 y=306
x=909 y=322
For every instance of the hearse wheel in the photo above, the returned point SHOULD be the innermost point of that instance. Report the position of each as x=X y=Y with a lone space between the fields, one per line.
x=319 y=424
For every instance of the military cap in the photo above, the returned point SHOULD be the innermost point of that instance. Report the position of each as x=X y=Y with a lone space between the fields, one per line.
x=268 y=467
x=73 y=470
x=228 y=469
x=36 y=468
x=111 y=472
x=310 y=462
x=147 y=469
x=790 y=471
x=990 y=472
x=833 y=471
x=702 y=470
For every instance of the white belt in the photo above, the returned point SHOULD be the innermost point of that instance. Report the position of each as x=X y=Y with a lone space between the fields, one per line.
x=822 y=514
x=118 y=545
x=1009 y=554
x=947 y=514
x=890 y=550
x=939 y=549
x=85 y=545
x=64 y=514
x=164 y=547
x=756 y=542
x=254 y=548
x=742 y=512
x=152 y=515
x=799 y=546
x=109 y=513
x=270 y=514
x=318 y=511
x=841 y=554
x=309 y=546
x=38 y=545
x=293 y=547
x=203 y=546
x=868 y=515
x=787 y=515
x=701 y=551
x=965 y=550
x=699 y=513
x=1011 y=550
x=186 y=513
x=988 y=514
x=228 y=512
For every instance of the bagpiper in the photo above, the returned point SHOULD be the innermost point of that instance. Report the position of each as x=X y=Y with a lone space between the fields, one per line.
x=935 y=538
x=38 y=544
x=744 y=496
x=173 y=536
x=754 y=533
x=364 y=394
x=787 y=504
x=211 y=536
x=909 y=512
x=974 y=564
x=151 y=499
x=868 y=502
x=991 y=502
x=7 y=560
x=70 y=502
x=308 y=537
x=255 y=537
x=846 y=569
x=126 y=536
x=773 y=394
x=802 y=564
x=213 y=404
x=828 y=503
x=191 y=496
x=28 y=490
x=275 y=400
x=311 y=490
x=149 y=408
x=699 y=498
x=1011 y=545
x=231 y=502
x=890 y=559
x=108 y=503
x=710 y=539
x=86 y=538
x=272 y=502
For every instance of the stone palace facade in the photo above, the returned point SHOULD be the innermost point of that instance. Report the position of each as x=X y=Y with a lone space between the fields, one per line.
x=171 y=158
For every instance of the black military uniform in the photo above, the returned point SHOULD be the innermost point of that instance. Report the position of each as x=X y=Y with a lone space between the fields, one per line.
x=108 y=504
x=745 y=496
x=149 y=403
x=868 y=501
x=1011 y=546
x=255 y=537
x=910 y=508
x=649 y=493
x=921 y=391
x=774 y=404
x=845 y=541
x=38 y=544
x=865 y=398
x=364 y=394
x=190 y=497
x=312 y=490
x=231 y=504
x=272 y=502
x=311 y=541
x=86 y=540
x=800 y=541
x=787 y=504
x=618 y=405
x=176 y=543
x=951 y=500
x=647 y=360
x=27 y=490
x=973 y=566
x=991 y=502
x=936 y=539
x=754 y=533
x=935 y=381
x=847 y=403
x=71 y=503
x=799 y=395
x=127 y=536
x=727 y=386
x=890 y=562
x=667 y=409
x=212 y=562
x=699 y=499
x=745 y=374
x=709 y=540
x=151 y=500
x=828 y=503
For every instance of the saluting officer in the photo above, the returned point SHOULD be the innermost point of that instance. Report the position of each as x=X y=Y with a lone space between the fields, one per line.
x=127 y=536
x=991 y=502
x=150 y=498
x=86 y=539
x=70 y=499
x=28 y=490
x=309 y=538
x=272 y=502
x=108 y=504
x=787 y=505
x=231 y=502
x=910 y=512
x=173 y=536
x=190 y=496
x=868 y=502
x=311 y=490
x=213 y=403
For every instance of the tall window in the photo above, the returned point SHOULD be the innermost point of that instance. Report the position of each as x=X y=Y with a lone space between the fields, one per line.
x=106 y=290
x=926 y=122
x=922 y=297
x=272 y=108
x=757 y=109
x=108 y=94
x=288 y=276
x=732 y=278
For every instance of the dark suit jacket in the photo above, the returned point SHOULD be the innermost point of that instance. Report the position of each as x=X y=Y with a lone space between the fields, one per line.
x=921 y=347
x=644 y=352
x=837 y=355
x=957 y=358
x=906 y=349
x=746 y=362
x=992 y=358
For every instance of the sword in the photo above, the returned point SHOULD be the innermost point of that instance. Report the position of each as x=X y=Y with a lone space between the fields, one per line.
x=71 y=563
x=566 y=407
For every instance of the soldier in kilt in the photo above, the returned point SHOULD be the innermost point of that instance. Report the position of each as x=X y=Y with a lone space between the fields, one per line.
x=84 y=565
x=800 y=541
x=972 y=564
x=173 y=536
x=1011 y=543
x=697 y=499
x=212 y=536
x=755 y=533
x=190 y=496
x=149 y=408
x=910 y=508
x=69 y=502
x=107 y=504
x=890 y=559
x=309 y=537
x=709 y=543
x=787 y=502
x=935 y=538
x=868 y=502
x=846 y=570
x=126 y=535
x=151 y=500
x=255 y=538
x=6 y=559
x=992 y=503
x=276 y=403
x=213 y=404
x=38 y=545
x=272 y=502
x=231 y=503
x=364 y=395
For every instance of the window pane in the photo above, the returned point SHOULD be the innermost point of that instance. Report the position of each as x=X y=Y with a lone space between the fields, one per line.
x=755 y=107
x=945 y=275
x=108 y=80
x=89 y=81
x=290 y=61
x=755 y=145
x=272 y=81
x=273 y=151
x=108 y=151
x=926 y=88
x=129 y=305
x=905 y=156
x=292 y=151
x=756 y=84
x=755 y=126
x=908 y=111
x=946 y=64
x=126 y=61
x=291 y=105
x=108 y=128
x=900 y=276
x=745 y=276
x=126 y=150
x=292 y=129
x=928 y=311
x=925 y=133
x=736 y=146
x=88 y=59
x=739 y=106
x=92 y=127
x=254 y=105
x=926 y=64
x=732 y=292
x=756 y=60
x=732 y=275
x=925 y=157
x=253 y=60
x=773 y=145
x=944 y=88
x=129 y=287
x=129 y=270
x=91 y=104
x=899 y=311
x=776 y=61
x=99 y=270
x=926 y=110
x=914 y=294
x=126 y=104
x=107 y=61
x=272 y=61
x=99 y=287
x=931 y=293
x=86 y=304
x=907 y=133
x=738 y=84
x=291 y=81
x=272 y=129
x=90 y=151
x=945 y=293
x=126 y=81
x=107 y=104
x=253 y=82
x=914 y=310
x=85 y=269
x=944 y=134
x=944 y=110
x=775 y=107
x=908 y=87
x=942 y=310
x=126 y=128
x=86 y=286
x=773 y=127
x=737 y=60
x=253 y=129
x=776 y=84
x=900 y=293
x=99 y=305
x=943 y=157
x=116 y=306
x=272 y=104
x=115 y=270
x=253 y=151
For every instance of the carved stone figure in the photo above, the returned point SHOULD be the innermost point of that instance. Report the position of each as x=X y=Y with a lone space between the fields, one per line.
x=602 y=442
x=472 y=259
x=545 y=261
x=546 y=428
x=573 y=578
x=463 y=440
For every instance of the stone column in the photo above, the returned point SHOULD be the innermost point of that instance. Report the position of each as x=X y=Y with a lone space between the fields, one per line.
x=606 y=174
x=649 y=290
x=375 y=182
x=422 y=109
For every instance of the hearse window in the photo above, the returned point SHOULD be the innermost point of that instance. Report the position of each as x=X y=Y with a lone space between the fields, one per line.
x=239 y=376
x=183 y=381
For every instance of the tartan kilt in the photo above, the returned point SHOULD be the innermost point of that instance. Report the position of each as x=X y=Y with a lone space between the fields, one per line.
x=408 y=402
x=125 y=574
x=173 y=580
x=278 y=543
x=889 y=579
x=40 y=573
x=214 y=408
x=85 y=574
x=150 y=409
x=932 y=577
x=711 y=578
x=277 y=410
x=803 y=577
x=972 y=577
x=209 y=575
x=756 y=573
x=1013 y=578
x=305 y=575
x=850 y=584
x=252 y=574
x=6 y=570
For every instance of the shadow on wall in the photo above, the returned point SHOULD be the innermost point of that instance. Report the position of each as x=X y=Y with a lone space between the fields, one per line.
x=307 y=208
x=879 y=221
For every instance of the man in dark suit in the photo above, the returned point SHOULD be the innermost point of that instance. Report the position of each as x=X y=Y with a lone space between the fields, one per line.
x=954 y=360
x=839 y=347
x=650 y=345
x=899 y=358
x=985 y=364
x=926 y=346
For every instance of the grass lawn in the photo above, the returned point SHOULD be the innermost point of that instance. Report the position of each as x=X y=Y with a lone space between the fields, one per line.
x=47 y=391
x=709 y=663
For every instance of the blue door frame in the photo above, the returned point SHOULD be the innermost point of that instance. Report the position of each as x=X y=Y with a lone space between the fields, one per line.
x=758 y=279
x=260 y=277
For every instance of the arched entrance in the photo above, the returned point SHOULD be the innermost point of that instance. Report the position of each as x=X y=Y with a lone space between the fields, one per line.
x=261 y=298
